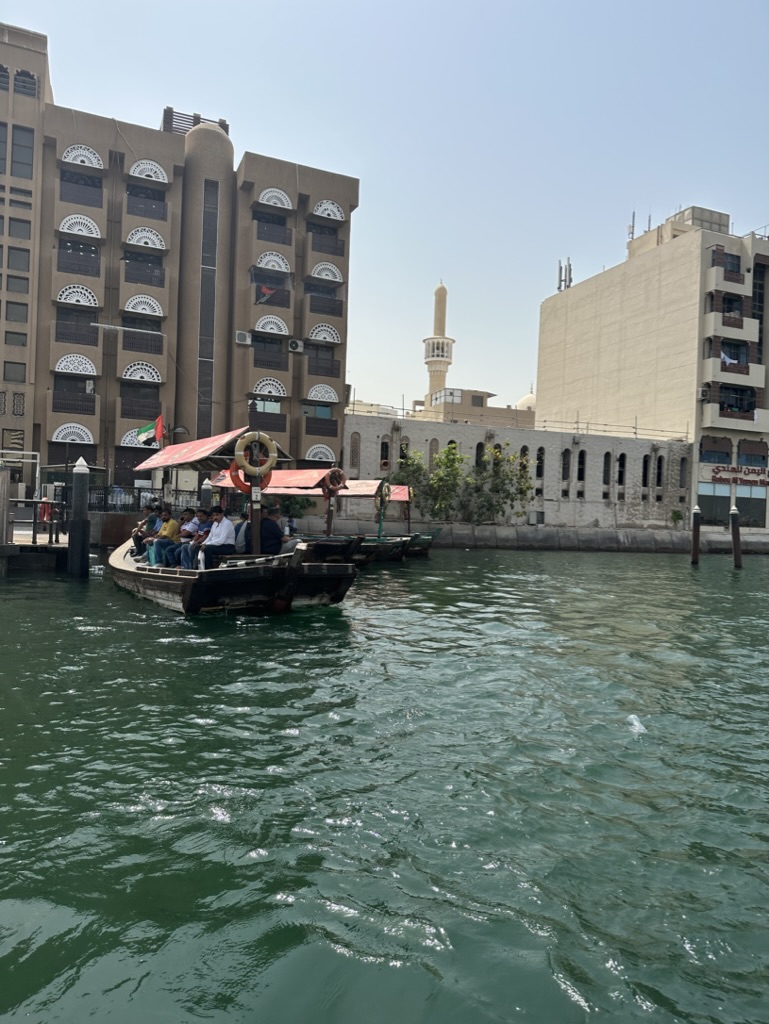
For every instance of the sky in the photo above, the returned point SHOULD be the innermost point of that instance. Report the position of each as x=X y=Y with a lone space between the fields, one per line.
x=491 y=139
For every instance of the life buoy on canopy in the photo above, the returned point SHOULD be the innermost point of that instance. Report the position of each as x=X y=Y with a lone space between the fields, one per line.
x=382 y=498
x=333 y=482
x=265 y=464
x=240 y=483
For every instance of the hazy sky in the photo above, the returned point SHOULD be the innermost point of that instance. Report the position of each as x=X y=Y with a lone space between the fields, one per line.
x=490 y=138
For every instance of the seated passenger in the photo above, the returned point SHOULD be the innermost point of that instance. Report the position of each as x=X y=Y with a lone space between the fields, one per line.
x=146 y=528
x=271 y=538
x=188 y=556
x=167 y=536
x=221 y=539
x=188 y=528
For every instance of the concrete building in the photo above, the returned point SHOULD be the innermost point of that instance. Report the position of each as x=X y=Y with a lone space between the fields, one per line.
x=145 y=275
x=669 y=345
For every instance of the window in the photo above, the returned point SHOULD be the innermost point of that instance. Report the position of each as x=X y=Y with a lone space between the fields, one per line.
x=565 y=464
x=16 y=372
x=480 y=451
x=13 y=440
x=17 y=284
x=19 y=228
x=1 y=257
x=581 y=464
x=525 y=453
x=384 y=450
x=607 y=469
x=16 y=312
x=25 y=83
x=18 y=259
x=660 y=471
x=739 y=400
x=17 y=405
x=15 y=338
x=645 y=471
x=5 y=78
x=265 y=405
x=477 y=400
x=3 y=146
x=355 y=450
x=683 y=472
x=733 y=352
x=84 y=189
x=2 y=225
x=22 y=149
x=78 y=258
x=540 y=471
x=3 y=397
x=621 y=464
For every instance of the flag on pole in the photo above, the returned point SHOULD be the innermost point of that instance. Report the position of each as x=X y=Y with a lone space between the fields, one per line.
x=151 y=432
x=265 y=293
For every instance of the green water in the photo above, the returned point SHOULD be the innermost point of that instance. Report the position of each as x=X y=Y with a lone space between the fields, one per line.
x=432 y=804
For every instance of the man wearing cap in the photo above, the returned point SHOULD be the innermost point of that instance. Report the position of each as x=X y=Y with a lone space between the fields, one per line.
x=221 y=539
x=271 y=539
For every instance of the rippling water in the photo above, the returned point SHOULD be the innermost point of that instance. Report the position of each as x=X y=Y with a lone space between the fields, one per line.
x=494 y=786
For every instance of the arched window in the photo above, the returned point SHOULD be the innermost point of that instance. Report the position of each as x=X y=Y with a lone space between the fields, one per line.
x=645 y=471
x=540 y=471
x=355 y=450
x=404 y=449
x=660 y=470
x=480 y=451
x=525 y=453
x=384 y=452
x=566 y=464
x=607 y=469
x=433 y=452
x=683 y=472
x=621 y=464
x=25 y=84
x=581 y=465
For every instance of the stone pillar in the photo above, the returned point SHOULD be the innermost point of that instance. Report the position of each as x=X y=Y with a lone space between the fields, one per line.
x=79 y=526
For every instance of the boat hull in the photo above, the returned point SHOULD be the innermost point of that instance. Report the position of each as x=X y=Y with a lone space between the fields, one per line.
x=245 y=586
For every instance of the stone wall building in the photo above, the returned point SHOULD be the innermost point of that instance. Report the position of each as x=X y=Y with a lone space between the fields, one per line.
x=145 y=275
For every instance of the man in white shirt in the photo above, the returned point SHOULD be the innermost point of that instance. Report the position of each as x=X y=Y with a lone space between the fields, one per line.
x=221 y=539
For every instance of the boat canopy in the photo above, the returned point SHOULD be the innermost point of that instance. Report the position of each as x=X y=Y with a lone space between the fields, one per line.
x=207 y=453
x=303 y=483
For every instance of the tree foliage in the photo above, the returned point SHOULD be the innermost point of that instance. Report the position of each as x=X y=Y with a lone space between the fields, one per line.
x=499 y=485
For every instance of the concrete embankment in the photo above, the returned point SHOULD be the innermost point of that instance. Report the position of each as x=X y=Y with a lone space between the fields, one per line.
x=553 y=538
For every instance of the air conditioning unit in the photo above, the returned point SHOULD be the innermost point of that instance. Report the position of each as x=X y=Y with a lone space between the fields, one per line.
x=703 y=394
x=295 y=345
x=242 y=337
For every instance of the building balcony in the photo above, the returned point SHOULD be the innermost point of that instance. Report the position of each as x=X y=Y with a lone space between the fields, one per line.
x=717 y=279
x=270 y=361
x=316 y=426
x=326 y=306
x=137 y=409
x=81 y=195
x=65 y=401
x=326 y=244
x=755 y=422
x=147 y=209
x=140 y=273
x=311 y=259
x=280 y=297
x=84 y=266
x=723 y=325
x=275 y=234
x=324 y=368
x=269 y=422
x=142 y=341
x=749 y=375
x=76 y=334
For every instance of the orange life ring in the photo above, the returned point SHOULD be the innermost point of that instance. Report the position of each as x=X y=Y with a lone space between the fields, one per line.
x=240 y=483
x=333 y=482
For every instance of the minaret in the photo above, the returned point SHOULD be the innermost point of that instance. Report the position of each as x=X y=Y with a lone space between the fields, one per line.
x=438 y=348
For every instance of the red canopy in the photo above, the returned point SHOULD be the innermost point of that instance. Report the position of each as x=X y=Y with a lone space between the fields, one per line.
x=205 y=453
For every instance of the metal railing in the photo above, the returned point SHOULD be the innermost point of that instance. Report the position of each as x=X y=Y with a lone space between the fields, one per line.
x=87 y=266
x=64 y=401
x=140 y=273
x=273 y=233
x=143 y=341
x=80 y=334
x=327 y=307
x=323 y=243
x=84 y=195
x=153 y=208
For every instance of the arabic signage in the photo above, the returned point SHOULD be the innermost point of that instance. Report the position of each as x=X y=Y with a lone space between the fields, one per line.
x=739 y=475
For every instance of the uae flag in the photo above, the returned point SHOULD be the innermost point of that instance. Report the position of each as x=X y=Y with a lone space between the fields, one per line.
x=151 y=432
x=265 y=293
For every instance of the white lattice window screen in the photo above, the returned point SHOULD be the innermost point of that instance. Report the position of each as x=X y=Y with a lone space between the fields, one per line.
x=74 y=363
x=3 y=399
x=79 y=224
x=130 y=440
x=320 y=453
x=17 y=405
x=355 y=450
x=148 y=169
x=325 y=332
x=77 y=295
x=144 y=304
x=274 y=261
x=74 y=432
x=275 y=197
x=142 y=371
x=79 y=154
x=146 y=236
x=270 y=386
x=328 y=208
x=327 y=271
x=322 y=393
x=271 y=325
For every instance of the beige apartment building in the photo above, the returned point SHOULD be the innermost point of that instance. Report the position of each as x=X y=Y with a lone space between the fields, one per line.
x=144 y=274
x=669 y=345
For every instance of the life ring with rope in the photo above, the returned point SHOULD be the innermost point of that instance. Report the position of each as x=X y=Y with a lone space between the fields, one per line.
x=382 y=497
x=265 y=463
x=333 y=482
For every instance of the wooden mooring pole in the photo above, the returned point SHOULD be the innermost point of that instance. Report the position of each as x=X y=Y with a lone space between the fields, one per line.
x=696 y=519
x=734 y=522
x=79 y=543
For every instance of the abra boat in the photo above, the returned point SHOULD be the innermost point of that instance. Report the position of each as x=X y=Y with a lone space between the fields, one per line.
x=242 y=584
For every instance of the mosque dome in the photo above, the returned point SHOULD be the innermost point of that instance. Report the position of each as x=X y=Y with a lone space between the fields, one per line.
x=527 y=404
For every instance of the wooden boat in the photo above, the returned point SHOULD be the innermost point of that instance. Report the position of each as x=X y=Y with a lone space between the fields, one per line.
x=385 y=549
x=420 y=544
x=242 y=584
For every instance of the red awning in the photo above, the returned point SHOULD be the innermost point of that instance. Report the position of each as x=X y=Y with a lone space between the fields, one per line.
x=303 y=483
x=207 y=453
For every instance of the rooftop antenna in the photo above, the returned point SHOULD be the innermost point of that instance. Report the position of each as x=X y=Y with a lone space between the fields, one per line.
x=649 y=224
x=631 y=228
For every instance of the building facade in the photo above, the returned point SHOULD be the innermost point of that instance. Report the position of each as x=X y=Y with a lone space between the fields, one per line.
x=670 y=345
x=145 y=275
